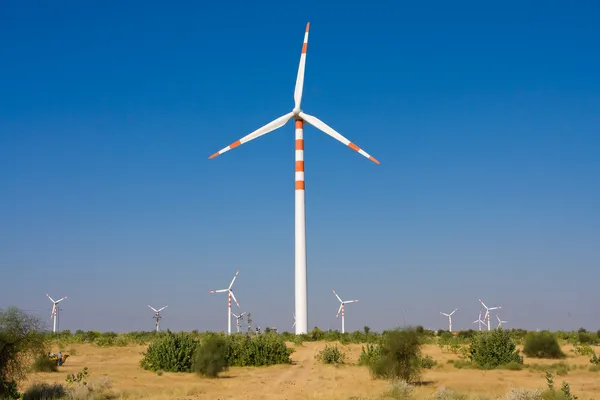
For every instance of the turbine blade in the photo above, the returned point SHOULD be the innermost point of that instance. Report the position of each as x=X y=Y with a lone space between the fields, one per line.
x=233 y=280
x=51 y=299
x=234 y=314
x=483 y=304
x=59 y=300
x=234 y=299
x=454 y=311
x=350 y=301
x=162 y=308
x=336 y=295
x=300 y=77
x=271 y=126
x=152 y=308
x=317 y=123
x=219 y=291
x=339 y=310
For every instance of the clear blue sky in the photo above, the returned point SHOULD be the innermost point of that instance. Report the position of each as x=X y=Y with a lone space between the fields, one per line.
x=485 y=118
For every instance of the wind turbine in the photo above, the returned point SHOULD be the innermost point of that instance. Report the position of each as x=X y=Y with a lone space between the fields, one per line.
x=449 y=318
x=237 y=320
x=500 y=322
x=55 y=310
x=157 y=316
x=341 y=309
x=487 y=313
x=479 y=321
x=229 y=296
x=294 y=324
x=300 y=215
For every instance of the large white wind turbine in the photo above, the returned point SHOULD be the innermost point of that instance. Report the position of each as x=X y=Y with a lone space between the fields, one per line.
x=487 y=313
x=341 y=309
x=157 y=316
x=55 y=311
x=300 y=216
x=449 y=318
x=229 y=296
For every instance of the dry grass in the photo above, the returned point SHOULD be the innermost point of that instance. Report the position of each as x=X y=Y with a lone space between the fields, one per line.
x=306 y=378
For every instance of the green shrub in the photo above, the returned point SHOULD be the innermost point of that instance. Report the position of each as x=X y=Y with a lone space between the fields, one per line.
x=44 y=364
x=595 y=360
x=428 y=362
x=399 y=356
x=584 y=350
x=542 y=345
x=211 y=357
x=173 y=352
x=9 y=390
x=493 y=349
x=368 y=354
x=260 y=350
x=44 y=391
x=331 y=354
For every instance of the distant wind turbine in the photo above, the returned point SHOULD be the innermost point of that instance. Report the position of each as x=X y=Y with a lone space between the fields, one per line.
x=237 y=320
x=487 y=313
x=479 y=321
x=449 y=318
x=229 y=296
x=500 y=322
x=341 y=309
x=55 y=311
x=157 y=316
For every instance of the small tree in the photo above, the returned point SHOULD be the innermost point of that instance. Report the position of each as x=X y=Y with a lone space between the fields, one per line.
x=398 y=356
x=21 y=339
x=493 y=349
x=211 y=357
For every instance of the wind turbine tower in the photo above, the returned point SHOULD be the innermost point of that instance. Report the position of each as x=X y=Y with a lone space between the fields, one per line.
x=229 y=296
x=55 y=311
x=341 y=309
x=449 y=318
x=157 y=316
x=487 y=313
x=300 y=213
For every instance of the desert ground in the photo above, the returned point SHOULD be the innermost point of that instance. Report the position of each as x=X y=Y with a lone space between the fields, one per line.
x=307 y=378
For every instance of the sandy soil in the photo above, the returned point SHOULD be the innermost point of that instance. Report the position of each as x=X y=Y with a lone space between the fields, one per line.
x=306 y=378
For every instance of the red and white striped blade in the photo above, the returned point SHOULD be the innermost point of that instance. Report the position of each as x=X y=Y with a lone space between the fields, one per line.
x=336 y=295
x=339 y=310
x=234 y=299
x=317 y=123
x=233 y=280
x=301 y=67
x=271 y=126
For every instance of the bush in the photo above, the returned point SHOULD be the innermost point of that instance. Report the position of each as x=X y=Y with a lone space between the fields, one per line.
x=493 y=349
x=399 y=356
x=260 y=350
x=368 y=354
x=211 y=357
x=542 y=345
x=44 y=391
x=172 y=352
x=331 y=354
x=428 y=362
x=43 y=364
x=522 y=394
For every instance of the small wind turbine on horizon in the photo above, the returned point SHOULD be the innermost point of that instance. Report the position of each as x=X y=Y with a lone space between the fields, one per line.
x=487 y=313
x=341 y=309
x=157 y=316
x=449 y=318
x=55 y=311
x=237 y=320
x=229 y=296
x=500 y=322
x=300 y=282
x=479 y=321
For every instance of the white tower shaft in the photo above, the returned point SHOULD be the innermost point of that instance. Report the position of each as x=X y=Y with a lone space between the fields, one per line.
x=300 y=236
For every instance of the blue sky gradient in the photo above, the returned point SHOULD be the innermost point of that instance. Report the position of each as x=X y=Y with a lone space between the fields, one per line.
x=484 y=117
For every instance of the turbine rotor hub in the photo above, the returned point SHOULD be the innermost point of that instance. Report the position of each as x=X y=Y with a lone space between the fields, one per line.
x=296 y=111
